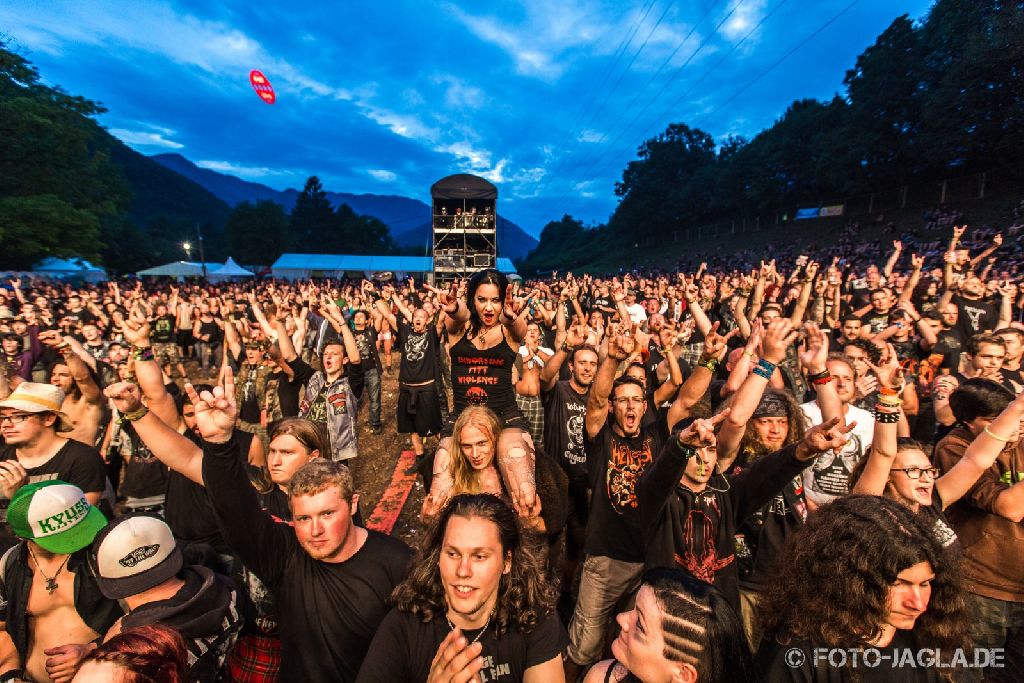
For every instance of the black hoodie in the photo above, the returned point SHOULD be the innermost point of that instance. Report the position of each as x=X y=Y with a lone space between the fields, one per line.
x=204 y=611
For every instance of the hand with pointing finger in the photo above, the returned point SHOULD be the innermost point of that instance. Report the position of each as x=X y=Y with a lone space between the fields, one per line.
x=822 y=438
x=215 y=410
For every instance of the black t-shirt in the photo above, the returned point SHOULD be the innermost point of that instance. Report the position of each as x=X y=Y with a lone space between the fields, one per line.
x=800 y=661
x=564 y=415
x=366 y=342
x=75 y=462
x=1013 y=380
x=404 y=647
x=419 y=354
x=875 y=320
x=163 y=330
x=145 y=476
x=765 y=533
x=288 y=390
x=327 y=612
x=187 y=507
x=975 y=316
x=615 y=465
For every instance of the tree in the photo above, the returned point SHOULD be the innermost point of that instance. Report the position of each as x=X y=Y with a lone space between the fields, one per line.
x=312 y=219
x=257 y=233
x=56 y=180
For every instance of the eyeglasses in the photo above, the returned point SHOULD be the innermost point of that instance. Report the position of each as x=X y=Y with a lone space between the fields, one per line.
x=916 y=472
x=15 y=418
x=629 y=400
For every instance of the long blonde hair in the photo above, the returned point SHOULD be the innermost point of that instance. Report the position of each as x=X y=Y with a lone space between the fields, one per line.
x=464 y=477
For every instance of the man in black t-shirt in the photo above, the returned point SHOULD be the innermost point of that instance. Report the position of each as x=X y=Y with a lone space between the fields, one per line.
x=366 y=341
x=419 y=407
x=619 y=445
x=163 y=338
x=35 y=451
x=329 y=578
x=497 y=622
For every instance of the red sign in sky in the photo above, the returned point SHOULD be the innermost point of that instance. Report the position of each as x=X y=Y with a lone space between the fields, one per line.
x=262 y=86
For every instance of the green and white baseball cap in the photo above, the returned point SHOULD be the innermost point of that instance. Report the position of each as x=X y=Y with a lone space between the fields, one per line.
x=56 y=515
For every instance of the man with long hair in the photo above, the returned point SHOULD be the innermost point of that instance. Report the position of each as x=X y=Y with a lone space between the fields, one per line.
x=476 y=605
x=888 y=586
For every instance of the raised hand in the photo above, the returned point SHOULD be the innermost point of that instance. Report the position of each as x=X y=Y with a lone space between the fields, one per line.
x=897 y=245
x=888 y=371
x=136 y=330
x=916 y=261
x=216 y=411
x=866 y=385
x=51 y=338
x=815 y=354
x=958 y=231
x=701 y=432
x=127 y=396
x=715 y=345
x=779 y=336
x=822 y=438
x=943 y=386
x=576 y=335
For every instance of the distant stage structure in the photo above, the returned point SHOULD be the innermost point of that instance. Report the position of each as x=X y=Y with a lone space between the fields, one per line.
x=465 y=237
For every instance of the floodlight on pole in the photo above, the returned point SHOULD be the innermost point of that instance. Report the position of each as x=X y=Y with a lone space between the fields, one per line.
x=187 y=246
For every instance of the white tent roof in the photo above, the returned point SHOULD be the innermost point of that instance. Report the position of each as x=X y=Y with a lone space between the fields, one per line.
x=54 y=264
x=230 y=268
x=178 y=269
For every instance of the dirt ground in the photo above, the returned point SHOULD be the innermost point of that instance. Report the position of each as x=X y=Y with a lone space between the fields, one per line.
x=378 y=454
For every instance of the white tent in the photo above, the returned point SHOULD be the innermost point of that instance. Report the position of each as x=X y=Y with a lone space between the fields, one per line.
x=69 y=268
x=178 y=269
x=229 y=270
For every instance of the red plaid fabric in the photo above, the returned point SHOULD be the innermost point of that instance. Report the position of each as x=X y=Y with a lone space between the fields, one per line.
x=255 y=659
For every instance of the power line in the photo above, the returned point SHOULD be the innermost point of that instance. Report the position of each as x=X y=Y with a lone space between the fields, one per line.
x=689 y=59
x=610 y=148
x=621 y=76
x=661 y=68
x=776 y=63
x=611 y=68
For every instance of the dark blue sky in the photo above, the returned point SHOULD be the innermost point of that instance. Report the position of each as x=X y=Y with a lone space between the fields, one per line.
x=544 y=98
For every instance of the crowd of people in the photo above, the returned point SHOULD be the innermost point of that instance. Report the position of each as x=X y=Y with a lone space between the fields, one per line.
x=788 y=470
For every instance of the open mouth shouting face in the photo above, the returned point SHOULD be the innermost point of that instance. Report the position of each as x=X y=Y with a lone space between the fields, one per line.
x=629 y=405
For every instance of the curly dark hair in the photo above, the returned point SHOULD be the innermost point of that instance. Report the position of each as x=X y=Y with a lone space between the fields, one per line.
x=483 y=277
x=832 y=584
x=525 y=594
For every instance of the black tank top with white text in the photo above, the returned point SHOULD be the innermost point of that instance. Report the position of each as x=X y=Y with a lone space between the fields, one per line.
x=483 y=376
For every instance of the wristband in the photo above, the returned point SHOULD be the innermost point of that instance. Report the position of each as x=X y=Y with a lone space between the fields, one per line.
x=886 y=391
x=821 y=381
x=142 y=353
x=567 y=348
x=133 y=416
x=823 y=375
x=995 y=436
x=767 y=365
x=688 y=451
x=711 y=364
x=887 y=418
x=761 y=372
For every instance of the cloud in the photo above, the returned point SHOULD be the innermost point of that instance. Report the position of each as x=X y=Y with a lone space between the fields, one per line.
x=382 y=175
x=146 y=138
x=743 y=19
x=239 y=169
x=590 y=136
x=530 y=60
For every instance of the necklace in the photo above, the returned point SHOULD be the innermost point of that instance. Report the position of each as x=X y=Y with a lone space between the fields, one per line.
x=478 y=635
x=51 y=582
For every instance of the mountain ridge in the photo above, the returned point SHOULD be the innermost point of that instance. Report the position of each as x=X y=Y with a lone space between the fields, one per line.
x=408 y=219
